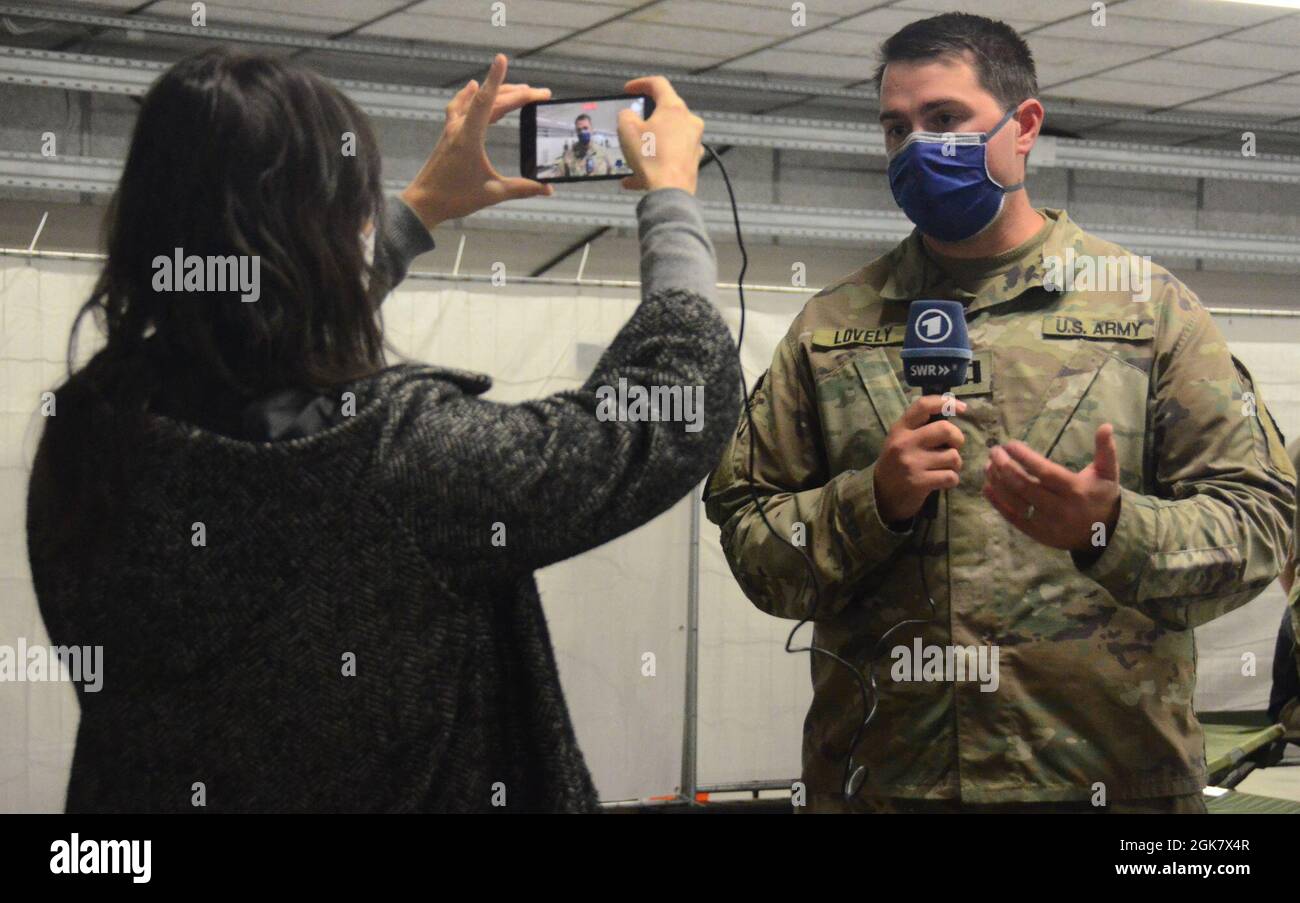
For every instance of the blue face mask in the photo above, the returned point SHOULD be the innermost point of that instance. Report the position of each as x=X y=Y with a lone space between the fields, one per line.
x=948 y=195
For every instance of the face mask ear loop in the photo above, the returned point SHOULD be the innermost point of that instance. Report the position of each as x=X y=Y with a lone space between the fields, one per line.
x=984 y=140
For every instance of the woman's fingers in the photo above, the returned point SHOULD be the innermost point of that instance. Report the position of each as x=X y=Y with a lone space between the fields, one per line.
x=479 y=114
x=509 y=98
x=520 y=96
x=517 y=86
x=659 y=88
x=456 y=107
x=516 y=188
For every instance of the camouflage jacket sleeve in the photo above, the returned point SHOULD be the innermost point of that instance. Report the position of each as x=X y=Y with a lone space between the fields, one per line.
x=1215 y=532
x=1293 y=608
x=1294 y=599
x=830 y=519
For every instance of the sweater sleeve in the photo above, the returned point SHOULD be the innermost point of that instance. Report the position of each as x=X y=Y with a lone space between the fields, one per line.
x=404 y=239
x=506 y=488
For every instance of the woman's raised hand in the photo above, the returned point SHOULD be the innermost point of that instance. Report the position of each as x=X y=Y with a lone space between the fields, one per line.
x=458 y=178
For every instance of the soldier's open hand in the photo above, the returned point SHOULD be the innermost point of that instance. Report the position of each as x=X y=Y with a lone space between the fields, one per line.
x=1051 y=504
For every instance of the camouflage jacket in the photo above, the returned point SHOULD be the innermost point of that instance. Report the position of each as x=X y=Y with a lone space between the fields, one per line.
x=1096 y=663
x=595 y=161
x=1293 y=601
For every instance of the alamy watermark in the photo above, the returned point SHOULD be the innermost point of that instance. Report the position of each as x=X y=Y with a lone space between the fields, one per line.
x=946 y=664
x=35 y=664
x=1098 y=273
x=240 y=273
x=103 y=857
x=677 y=404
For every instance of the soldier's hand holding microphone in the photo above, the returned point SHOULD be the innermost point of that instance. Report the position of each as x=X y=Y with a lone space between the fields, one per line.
x=918 y=458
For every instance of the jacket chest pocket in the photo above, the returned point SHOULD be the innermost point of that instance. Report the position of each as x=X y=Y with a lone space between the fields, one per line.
x=857 y=402
x=1092 y=388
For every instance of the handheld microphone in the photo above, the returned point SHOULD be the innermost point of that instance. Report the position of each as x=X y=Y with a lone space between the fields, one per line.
x=936 y=352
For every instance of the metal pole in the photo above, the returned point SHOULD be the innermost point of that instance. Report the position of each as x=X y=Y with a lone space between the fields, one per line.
x=747 y=786
x=690 y=718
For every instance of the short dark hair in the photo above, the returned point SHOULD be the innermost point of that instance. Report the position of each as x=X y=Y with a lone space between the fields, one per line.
x=581 y=116
x=1003 y=62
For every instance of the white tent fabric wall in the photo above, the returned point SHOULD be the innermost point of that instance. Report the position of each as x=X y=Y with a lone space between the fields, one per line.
x=1235 y=653
x=38 y=721
x=752 y=693
x=607 y=608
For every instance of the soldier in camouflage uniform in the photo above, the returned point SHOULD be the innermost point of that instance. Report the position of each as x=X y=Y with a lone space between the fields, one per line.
x=584 y=157
x=1079 y=399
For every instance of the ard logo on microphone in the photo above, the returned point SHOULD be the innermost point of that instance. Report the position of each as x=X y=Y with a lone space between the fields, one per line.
x=936 y=348
x=934 y=326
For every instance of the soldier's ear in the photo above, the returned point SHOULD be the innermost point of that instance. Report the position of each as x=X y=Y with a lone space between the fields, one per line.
x=1029 y=117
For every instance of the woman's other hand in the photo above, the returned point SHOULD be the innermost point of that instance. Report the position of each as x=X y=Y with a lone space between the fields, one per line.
x=664 y=151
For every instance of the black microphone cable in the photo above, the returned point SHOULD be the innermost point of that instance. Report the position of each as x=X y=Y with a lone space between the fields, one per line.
x=854 y=777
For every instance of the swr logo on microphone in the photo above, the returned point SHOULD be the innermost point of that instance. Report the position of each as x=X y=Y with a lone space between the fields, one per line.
x=922 y=370
x=933 y=327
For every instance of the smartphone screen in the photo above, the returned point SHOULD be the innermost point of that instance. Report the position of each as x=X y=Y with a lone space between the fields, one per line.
x=576 y=140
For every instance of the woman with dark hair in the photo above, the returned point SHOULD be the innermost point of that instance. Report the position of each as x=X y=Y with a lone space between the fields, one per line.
x=286 y=548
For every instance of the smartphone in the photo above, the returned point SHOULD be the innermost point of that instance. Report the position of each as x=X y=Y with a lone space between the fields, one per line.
x=576 y=140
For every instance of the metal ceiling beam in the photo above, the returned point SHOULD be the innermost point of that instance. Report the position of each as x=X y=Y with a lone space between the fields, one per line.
x=1115 y=156
x=395 y=50
x=811 y=224
x=748 y=84
x=114 y=75
x=91 y=175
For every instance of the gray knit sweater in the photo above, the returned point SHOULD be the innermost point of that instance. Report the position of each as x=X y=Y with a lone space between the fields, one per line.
x=228 y=664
